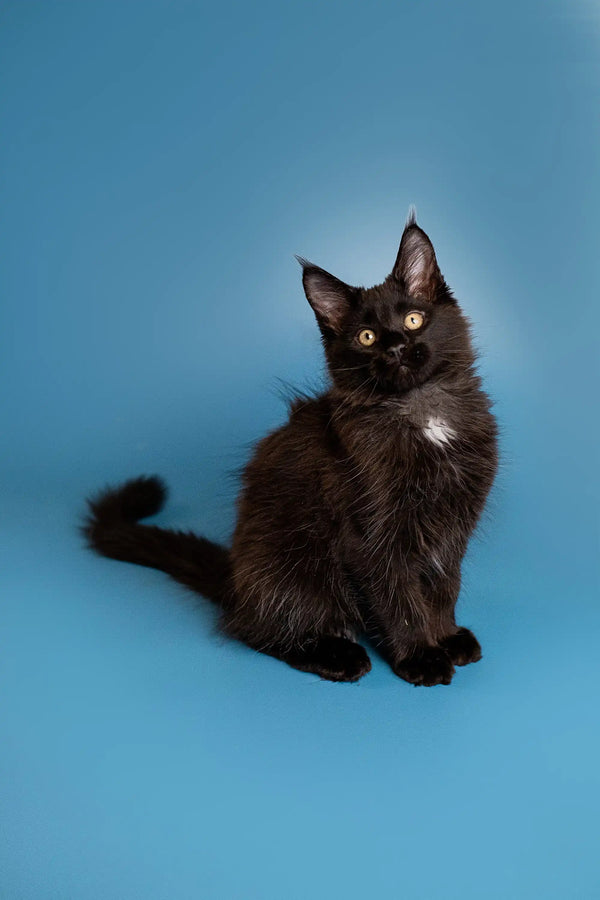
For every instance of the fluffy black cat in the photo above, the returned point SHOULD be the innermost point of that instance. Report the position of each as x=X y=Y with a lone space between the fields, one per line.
x=354 y=517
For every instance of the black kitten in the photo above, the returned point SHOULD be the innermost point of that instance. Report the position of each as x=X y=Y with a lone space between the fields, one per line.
x=354 y=516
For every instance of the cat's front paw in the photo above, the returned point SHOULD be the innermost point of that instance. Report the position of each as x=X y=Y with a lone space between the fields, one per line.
x=462 y=648
x=427 y=666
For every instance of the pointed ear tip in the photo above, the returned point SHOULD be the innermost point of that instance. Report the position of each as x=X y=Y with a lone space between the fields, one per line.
x=302 y=261
x=411 y=218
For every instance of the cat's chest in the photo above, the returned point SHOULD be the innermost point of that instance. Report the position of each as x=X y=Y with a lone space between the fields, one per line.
x=431 y=417
x=429 y=445
x=415 y=452
x=437 y=430
x=423 y=436
x=425 y=453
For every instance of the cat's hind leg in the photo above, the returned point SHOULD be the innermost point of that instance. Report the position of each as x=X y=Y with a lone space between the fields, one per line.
x=306 y=619
x=330 y=657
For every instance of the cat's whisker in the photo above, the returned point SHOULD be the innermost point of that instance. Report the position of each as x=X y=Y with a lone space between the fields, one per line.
x=350 y=368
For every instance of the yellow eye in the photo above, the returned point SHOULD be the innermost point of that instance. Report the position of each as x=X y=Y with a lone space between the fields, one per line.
x=366 y=337
x=413 y=321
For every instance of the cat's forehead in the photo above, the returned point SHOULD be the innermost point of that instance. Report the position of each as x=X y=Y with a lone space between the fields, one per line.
x=385 y=303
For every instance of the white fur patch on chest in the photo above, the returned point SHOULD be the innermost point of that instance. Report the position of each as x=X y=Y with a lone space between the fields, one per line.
x=438 y=431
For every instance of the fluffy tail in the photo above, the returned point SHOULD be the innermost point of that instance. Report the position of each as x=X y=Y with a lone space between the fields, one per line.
x=112 y=530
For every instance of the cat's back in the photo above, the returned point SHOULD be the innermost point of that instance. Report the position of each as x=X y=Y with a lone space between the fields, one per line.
x=296 y=451
x=290 y=483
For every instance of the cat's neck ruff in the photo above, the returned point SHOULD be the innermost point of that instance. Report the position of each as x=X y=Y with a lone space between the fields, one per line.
x=439 y=411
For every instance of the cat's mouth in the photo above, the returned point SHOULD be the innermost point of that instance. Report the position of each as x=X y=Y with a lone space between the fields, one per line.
x=395 y=376
x=404 y=371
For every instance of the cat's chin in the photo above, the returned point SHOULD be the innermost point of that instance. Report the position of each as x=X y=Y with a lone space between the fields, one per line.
x=398 y=380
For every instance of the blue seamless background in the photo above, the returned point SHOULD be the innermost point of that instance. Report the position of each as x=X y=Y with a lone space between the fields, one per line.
x=161 y=163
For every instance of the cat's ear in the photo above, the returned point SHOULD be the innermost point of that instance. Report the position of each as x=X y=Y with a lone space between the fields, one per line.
x=329 y=297
x=416 y=267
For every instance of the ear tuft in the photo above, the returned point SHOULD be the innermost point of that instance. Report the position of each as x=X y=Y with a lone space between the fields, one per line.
x=416 y=266
x=411 y=218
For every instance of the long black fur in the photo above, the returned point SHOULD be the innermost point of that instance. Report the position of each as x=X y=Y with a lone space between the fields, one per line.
x=113 y=530
x=354 y=517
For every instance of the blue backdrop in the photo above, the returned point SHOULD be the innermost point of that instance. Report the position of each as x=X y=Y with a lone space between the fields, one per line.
x=161 y=163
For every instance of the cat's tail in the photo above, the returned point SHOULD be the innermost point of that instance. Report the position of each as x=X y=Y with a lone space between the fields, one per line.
x=112 y=530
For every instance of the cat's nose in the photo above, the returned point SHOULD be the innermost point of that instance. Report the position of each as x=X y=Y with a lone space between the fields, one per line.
x=397 y=349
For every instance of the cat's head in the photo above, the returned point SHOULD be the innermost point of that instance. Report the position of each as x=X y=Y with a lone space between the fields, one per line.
x=388 y=339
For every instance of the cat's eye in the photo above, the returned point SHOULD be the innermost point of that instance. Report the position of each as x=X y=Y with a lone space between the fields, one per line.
x=414 y=320
x=366 y=337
